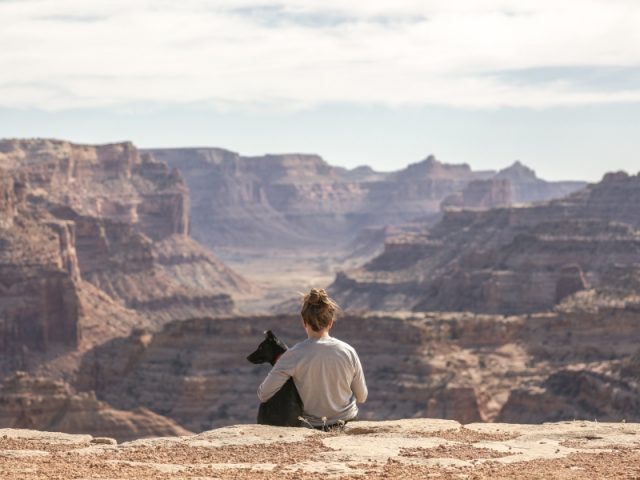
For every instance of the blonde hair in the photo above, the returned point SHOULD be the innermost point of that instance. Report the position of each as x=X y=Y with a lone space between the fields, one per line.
x=318 y=309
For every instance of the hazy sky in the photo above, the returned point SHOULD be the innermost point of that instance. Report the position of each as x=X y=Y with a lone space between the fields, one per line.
x=553 y=83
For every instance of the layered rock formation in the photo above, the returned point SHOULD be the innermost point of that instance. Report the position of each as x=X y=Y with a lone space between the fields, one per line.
x=482 y=194
x=300 y=200
x=507 y=260
x=8 y=199
x=71 y=214
x=528 y=188
x=108 y=181
x=174 y=277
x=39 y=302
x=40 y=403
x=461 y=366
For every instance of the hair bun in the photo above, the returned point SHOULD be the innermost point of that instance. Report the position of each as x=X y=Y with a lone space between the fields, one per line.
x=318 y=309
x=317 y=296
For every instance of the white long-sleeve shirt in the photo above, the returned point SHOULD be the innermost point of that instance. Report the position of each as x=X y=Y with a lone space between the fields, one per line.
x=328 y=375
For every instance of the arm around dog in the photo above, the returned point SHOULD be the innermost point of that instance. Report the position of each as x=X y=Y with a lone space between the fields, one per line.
x=278 y=376
x=358 y=384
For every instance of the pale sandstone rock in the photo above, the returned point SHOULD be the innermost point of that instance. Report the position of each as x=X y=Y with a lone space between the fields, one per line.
x=415 y=449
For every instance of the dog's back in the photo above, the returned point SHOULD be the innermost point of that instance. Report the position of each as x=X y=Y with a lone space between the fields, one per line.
x=285 y=408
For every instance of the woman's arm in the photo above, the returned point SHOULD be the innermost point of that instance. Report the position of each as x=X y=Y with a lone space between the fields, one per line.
x=278 y=376
x=358 y=385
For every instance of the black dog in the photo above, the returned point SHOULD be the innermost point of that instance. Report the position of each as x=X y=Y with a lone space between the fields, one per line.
x=284 y=409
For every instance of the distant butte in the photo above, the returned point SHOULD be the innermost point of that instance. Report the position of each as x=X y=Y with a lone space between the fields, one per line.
x=279 y=201
x=507 y=260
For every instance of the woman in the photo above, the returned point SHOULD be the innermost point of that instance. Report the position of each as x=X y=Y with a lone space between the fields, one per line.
x=327 y=372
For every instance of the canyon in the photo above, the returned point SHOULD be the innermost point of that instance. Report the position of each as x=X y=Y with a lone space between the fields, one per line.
x=76 y=217
x=575 y=362
x=305 y=219
x=507 y=260
x=284 y=201
x=133 y=284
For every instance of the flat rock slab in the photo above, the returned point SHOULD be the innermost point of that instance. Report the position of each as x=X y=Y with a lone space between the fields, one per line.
x=413 y=448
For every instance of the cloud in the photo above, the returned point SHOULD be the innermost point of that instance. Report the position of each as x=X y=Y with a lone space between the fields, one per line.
x=58 y=54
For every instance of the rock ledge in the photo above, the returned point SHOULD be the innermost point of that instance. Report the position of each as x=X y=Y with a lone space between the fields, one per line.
x=412 y=448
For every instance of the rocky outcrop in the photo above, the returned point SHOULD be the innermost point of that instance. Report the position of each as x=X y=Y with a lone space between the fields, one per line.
x=43 y=404
x=482 y=194
x=45 y=300
x=507 y=260
x=8 y=200
x=39 y=304
x=570 y=281
x=461 y=366
x=105 y=215
x=192 y=372
x=570 y=394
x=409 y=449
x=167 y=279
x=528 y=188
x=263 y=201
x=280 y=201
x=107 y=181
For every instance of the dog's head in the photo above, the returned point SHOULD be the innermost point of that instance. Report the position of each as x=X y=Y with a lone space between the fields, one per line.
x=269 y=350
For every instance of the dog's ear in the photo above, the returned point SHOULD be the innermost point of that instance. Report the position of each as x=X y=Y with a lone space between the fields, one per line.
x=270 y=334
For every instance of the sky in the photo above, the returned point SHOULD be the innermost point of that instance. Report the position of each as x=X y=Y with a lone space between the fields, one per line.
x=555 y=84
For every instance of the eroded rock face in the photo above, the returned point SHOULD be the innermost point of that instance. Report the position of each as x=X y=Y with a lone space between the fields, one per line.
x=39 y=303
x=461 y=366
x=71 y=214
x=107 y=181
x=482 y=194
x=507 y=260
x=299 y=200
x=570 y=394
x=171 y=278
x=40 y=403
x=8 y=200
x=528 y=188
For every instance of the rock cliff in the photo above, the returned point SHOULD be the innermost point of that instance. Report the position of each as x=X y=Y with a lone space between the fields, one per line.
x=107 y=181
x=461 y=366
x=528 y=188
x=71 y=214
x=8 y=199
x=482 y=194
x=281 y=201
x=505 y=260
x=40 y=403
x=44 y=302
x=165 y=279
x=39 y=302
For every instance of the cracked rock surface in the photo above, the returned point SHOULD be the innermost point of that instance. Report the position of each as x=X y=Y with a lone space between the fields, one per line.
x=410 y=448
